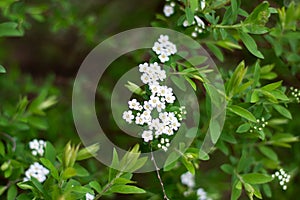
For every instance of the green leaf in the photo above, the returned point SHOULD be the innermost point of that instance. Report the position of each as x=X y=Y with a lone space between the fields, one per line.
x=188 y=165
x=179 y=82
x=192 y=132
x=235 y=193
x=203 y=155
x=234 y=8
x=272 y=86
x=12 y=192
x=81 y=171
x=69 y=173
x=278 y=94
x=197 y=60
x=254 y=96
x=215 y=130
x=96 y=186
x=243 y=128
x=126 y=189
x=194 y=5
x=191 y=82
x=250 y=44
x=256 y=178
x=50 y=152
x=242 y=112
x=122 y=181
x=227 y=168
x=216 y=51
x=189 y=15
x=267 y=190
x=2 y=69
x=283 y=111
x=2 y=149
x=47 y=163
x=268 y=152
x=8 y=29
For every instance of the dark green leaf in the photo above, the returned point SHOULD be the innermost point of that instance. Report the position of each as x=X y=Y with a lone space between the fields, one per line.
x=250 y=44
x=243 y=128
x=2 y=69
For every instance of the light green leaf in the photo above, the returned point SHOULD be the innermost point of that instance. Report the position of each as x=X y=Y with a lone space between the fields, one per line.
x=256 y=178
x=2 y=69
x=189 y=15
x=272 y=86
x=283 y=111
x=194 y=5
x=96 y=186
x=8 y=29
x=68 y=173
x=126 y=189
x=227 y=168
x=250 y=44
x=47 y=163
x=242 y=112
x=243 y=128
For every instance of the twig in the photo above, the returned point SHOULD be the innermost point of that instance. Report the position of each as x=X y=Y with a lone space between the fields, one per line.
x=158 y=176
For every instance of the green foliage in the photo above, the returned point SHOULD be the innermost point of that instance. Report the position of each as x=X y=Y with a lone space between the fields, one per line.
x=257 y=46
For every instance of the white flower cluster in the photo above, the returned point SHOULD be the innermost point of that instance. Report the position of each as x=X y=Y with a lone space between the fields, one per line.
x=37 y=147
x=37 y=171
x=260 y=124
x=164 y=124
x=164 y=48
x=295 y=93
x=89 y=196
x=282 y=177
x=188 y=179
x=169 y=9
x=200 y=26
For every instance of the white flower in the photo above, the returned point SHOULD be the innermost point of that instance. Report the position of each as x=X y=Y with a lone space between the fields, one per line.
x=188 y=179
x=143 y=67
x=34 y=144
x=154 y=101
x=163 y=39
x=134 y=104
x=202 y=4
x=168 y=10
x=202 y=195
x=157 y=47
x=147 y=106
x=128 y=116
x=37 y=147
x=139 y=120
x=160 y=106
x=89 y=196
x=169 y=98
x=145 y=78
x=147 y=136
x=163 y=57
x=37 y=171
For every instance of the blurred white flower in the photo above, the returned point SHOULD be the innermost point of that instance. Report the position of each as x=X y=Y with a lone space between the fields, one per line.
x=168 y=10
x=89 y=196
x=37 y=171
x=188 y=179
x=37 y=147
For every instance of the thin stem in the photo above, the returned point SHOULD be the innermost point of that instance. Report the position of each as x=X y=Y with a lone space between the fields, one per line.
x=158 y=176
x=227 y=26
x=14 y=145
x=108 y=186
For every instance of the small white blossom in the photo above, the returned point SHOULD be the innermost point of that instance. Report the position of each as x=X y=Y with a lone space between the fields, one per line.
x=37 y=147
x=128 y=116
x=188 y=179
x=89 y=196
x=168 y=10
x=147 y=136
x=134 y=104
